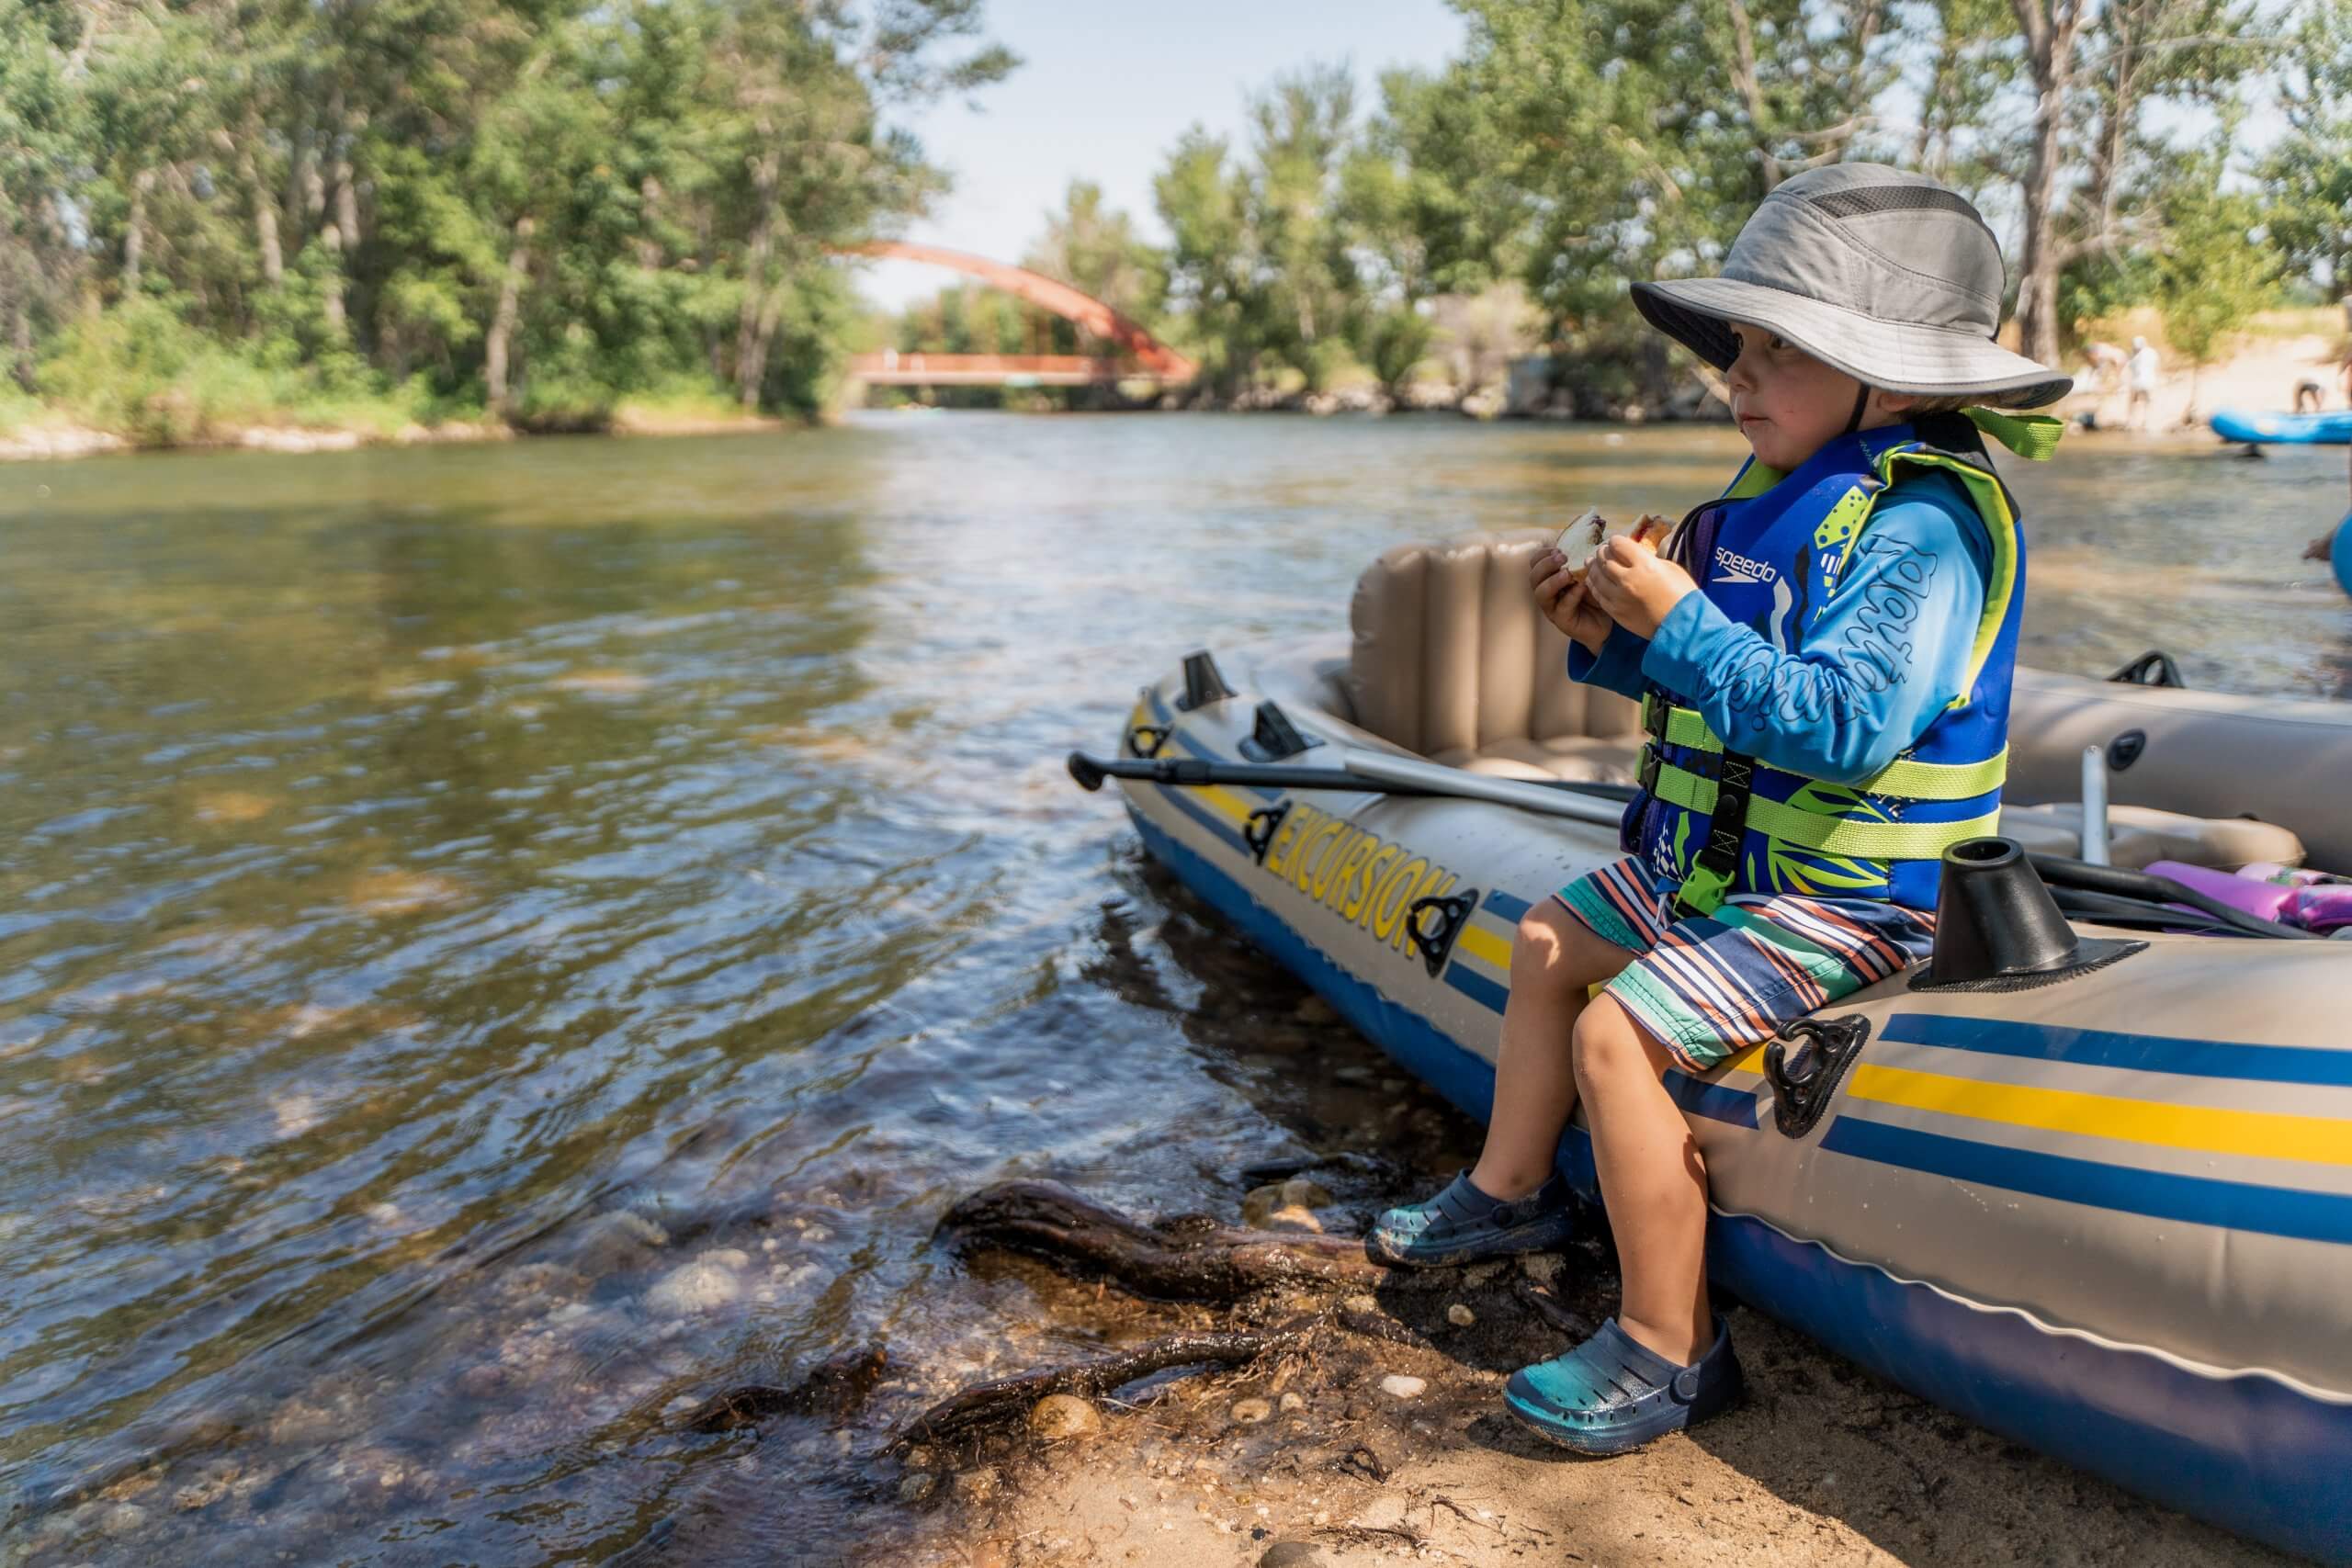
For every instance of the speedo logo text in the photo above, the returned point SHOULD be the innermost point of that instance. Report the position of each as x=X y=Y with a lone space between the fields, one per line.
x=1733 y=567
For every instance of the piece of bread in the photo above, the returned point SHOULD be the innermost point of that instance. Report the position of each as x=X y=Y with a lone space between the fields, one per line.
x=1581 y=540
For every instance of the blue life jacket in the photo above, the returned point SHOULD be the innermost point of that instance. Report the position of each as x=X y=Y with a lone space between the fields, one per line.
x=1712 y=821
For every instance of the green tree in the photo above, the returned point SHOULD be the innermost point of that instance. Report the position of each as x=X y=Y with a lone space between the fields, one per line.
x=2211 y=273
x=2308 y=174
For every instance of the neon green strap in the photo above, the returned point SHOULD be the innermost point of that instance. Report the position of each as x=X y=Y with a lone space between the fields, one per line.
x=2033 y=436
x=1901 y=779
x=1827 y=835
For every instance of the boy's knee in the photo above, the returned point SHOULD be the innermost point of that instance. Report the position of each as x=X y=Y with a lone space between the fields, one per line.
x=1546 y=951
x=1607 y=1045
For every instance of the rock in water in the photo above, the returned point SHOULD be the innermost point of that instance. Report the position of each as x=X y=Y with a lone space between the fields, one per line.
x=1061 y=1416
x=1299 y=1193
x=1403 y=1387
x=708 y=1281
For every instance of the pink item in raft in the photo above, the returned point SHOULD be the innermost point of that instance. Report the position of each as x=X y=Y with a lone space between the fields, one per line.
x=2324 y=908
x=2265 y=899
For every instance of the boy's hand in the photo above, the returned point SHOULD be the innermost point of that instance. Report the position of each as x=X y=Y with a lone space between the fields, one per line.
x=1563 y=599
x=1635 y=587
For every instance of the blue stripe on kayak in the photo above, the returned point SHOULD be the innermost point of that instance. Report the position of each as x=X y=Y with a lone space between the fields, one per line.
x=1510 y=909
x=1710 y=1099
x=2160 y=1194
x=2141 y=1053
x=1175 y=796
x=1477 y=987
x=2247 y=1452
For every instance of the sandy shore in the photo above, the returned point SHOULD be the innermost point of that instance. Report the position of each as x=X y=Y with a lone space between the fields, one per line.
x=1319 y=1460
x=2260 y=375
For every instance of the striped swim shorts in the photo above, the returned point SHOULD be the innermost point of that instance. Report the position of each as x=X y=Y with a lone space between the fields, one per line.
x=1708 y=985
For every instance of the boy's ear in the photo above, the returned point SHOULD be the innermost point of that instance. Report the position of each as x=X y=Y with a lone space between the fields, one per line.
x=1896 y=404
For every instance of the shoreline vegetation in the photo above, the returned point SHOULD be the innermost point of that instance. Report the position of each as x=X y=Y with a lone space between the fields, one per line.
x=279 y=225
x=2259 y=369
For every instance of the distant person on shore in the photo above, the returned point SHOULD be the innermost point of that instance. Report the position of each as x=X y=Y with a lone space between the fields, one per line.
x=2310 y=396
x=2141 y=374
x=1853 y=598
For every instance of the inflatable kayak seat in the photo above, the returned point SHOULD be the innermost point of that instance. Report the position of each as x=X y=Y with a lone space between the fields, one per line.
x=1450 y=659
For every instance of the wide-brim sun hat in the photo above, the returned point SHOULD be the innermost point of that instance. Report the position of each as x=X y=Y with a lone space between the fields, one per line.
x=1892 y=278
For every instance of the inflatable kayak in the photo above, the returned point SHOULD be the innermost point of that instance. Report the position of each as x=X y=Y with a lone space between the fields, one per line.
x=2288 y=429
x=2108 y=1215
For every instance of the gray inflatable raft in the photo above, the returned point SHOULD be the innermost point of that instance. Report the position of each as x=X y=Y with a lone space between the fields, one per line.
x=2110 y=1217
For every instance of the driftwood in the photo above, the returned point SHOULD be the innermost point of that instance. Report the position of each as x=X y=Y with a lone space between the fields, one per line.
x=1185 y=1259
x=834 y=1388
x=1008 y=1399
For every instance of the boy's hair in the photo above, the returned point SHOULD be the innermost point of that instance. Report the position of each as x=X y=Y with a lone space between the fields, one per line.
x=1952 y=404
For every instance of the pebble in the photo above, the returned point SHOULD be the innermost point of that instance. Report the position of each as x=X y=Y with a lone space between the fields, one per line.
x=1291 y=1554
x=1249 y=1412
x=1293 y=1402
x=1403 y=1387
x=918 y=1485
x=1361 y=1303
x=1061 y=1416
x=1542 y=1267
x=1284 y=1205
x=976 y=1485
x=1460 y=1316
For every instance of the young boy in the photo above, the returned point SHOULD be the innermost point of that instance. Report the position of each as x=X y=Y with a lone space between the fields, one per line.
x=1822 y=658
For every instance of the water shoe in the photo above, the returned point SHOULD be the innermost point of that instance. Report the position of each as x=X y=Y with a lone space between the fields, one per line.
x=1463 y=1224
x=1612 y=1393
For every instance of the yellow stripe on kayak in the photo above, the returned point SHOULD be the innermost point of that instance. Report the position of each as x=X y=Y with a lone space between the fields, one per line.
x=1224 y=801
x=2264 y=1134
x=1485 y=946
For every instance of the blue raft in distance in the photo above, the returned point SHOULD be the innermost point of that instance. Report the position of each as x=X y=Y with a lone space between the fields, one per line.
x=2286 y=429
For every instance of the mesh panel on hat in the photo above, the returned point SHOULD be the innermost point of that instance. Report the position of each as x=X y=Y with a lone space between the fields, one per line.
x=1892 y=198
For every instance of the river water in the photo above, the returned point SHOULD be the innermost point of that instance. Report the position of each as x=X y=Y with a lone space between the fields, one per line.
x=503 y=942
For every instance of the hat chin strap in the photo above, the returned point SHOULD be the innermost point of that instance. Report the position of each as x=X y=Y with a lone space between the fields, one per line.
x=1861 y=403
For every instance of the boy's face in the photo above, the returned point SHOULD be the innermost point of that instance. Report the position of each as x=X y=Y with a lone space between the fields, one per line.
x=1787 y=403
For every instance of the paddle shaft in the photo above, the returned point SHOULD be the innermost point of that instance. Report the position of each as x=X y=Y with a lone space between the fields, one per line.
x=1090 y=773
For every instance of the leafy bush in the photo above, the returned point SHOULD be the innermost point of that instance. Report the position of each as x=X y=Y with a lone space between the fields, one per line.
x=142 y=372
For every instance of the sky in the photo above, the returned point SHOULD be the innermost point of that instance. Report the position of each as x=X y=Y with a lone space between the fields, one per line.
x=1105 y=89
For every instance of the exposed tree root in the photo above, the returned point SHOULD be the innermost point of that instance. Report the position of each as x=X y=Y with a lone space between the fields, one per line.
x=834 y=1388
x=1186 y=1259
x=1008 y=1399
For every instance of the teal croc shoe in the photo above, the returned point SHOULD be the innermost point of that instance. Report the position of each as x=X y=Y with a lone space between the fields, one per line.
x=1462 y=1225
x=1611 y=1393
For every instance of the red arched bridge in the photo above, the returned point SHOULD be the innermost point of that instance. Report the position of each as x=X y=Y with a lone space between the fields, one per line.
x=1143 y=356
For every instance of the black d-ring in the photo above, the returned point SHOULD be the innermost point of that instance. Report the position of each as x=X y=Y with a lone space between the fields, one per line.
x=1259 y=831
x=1146 y=739
x=1802 y=1086
x=1432 y=923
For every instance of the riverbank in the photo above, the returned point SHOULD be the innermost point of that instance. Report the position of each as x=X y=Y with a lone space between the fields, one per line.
x=1384 y=1440
x=2261 y=373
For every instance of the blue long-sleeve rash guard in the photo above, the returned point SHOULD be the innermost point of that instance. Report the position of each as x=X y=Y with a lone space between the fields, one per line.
x=1869 y=676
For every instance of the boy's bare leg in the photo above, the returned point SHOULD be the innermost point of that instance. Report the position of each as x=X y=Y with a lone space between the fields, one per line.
x=1553 y=959
x=1653 y=1180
